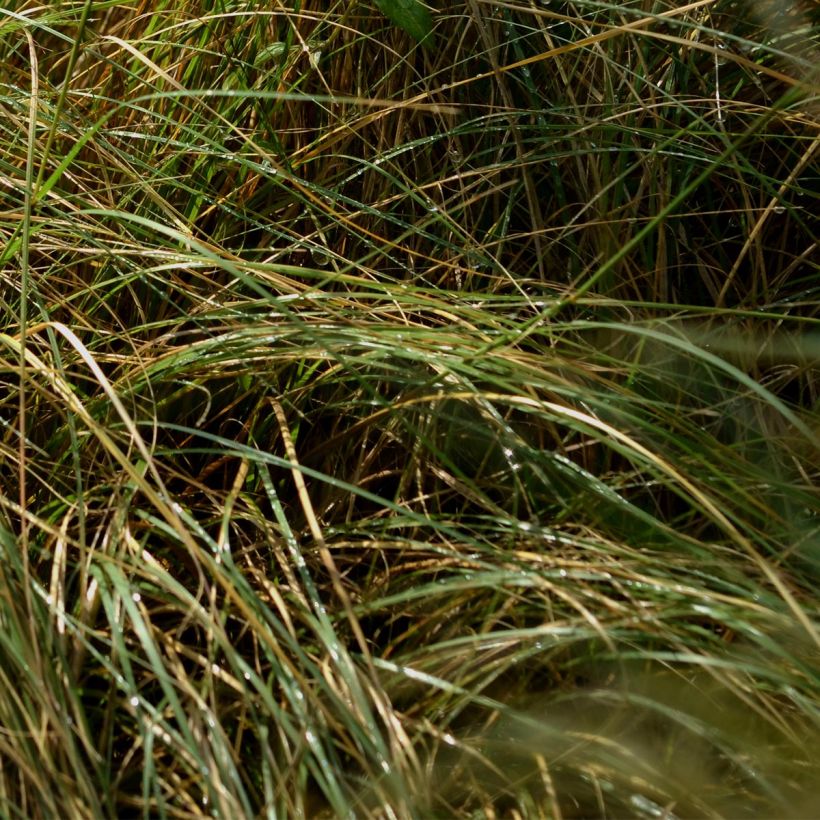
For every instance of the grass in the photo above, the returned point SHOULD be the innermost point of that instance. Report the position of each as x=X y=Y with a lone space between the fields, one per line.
x=405 y=429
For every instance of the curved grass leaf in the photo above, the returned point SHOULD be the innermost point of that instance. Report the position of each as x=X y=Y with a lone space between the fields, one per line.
x=411 y=15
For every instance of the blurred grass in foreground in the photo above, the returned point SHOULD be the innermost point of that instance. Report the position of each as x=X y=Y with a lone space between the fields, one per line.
x=407 y=430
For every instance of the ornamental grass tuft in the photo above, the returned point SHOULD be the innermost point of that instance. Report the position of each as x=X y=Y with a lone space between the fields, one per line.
x=409 y=410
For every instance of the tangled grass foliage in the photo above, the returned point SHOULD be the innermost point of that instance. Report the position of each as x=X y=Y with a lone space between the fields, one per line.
x=407 y=429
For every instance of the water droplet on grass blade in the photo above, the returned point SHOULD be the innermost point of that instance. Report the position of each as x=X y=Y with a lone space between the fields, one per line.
x=320 y=257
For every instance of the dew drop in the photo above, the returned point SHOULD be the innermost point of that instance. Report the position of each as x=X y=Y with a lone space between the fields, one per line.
x=320 y=258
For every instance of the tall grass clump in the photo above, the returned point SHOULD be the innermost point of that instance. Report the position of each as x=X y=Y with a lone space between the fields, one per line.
x=409 y=411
